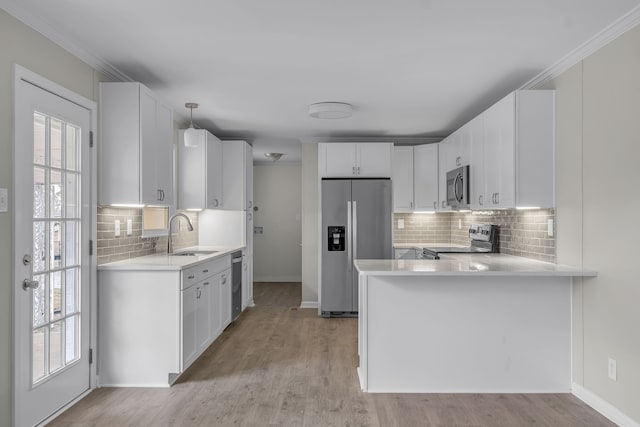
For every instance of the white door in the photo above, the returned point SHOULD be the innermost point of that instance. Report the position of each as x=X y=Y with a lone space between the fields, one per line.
x=52 y=211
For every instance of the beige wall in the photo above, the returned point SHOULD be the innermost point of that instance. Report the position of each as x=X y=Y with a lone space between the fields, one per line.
x=598 y=149
x=19 y=44
x=310 y=242
x=277 y=254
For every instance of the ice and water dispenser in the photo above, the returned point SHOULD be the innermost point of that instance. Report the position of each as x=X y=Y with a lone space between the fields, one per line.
x=336 y=236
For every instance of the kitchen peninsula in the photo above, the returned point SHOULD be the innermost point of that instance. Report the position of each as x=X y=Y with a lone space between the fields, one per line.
x=489 y=323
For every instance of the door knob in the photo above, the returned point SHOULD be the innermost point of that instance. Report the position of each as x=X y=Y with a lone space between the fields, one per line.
x=30 y=284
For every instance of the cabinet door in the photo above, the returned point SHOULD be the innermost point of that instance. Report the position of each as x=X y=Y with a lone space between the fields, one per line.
x=374 y=160
x=444 y=147
x=203 y=315
x=149 y=190
x=214 y=172
x=192 y=161
x=225 y=298
x=164 y=153
x=402 y=179
x=499 y=154
x=478 y=197
x=338 y=160
x=425 y=172
x=189 y=338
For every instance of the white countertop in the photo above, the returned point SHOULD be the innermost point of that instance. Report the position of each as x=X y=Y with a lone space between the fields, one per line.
x=426 y=245
x=469 y=265
x=164 y=261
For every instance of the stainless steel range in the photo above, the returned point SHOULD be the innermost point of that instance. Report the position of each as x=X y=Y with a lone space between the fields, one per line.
x=484 y=239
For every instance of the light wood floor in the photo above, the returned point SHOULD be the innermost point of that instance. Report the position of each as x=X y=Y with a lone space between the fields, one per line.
x=281 y=366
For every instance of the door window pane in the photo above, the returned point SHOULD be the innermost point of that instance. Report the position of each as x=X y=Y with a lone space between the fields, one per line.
x=56 y=194
x=56 y=143
x=39 y=138
x=55 y=295
x=71 y=196
x=39 y=342
x=71 y=243
x=72 y=143
x=55 y=346
x=71 y=334
x=39 y=193
x=40 y=301
x=39 y=242
x=71 y=290
x=55 y=242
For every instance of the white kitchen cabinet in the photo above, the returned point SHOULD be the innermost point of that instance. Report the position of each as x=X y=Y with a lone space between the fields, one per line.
x=135 y=146
x=154 y=323
x=402 y=179
x=444 y=147
x=225 y=298
x=513 y=159
x=347 y=159
x=237 y=172
x=425 y=182
x=200 y=182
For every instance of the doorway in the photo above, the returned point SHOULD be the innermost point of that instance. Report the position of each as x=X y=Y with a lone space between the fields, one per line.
x=53 y=230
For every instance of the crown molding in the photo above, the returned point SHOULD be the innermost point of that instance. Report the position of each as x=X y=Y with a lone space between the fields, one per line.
x=44 y=28
x=607 y=35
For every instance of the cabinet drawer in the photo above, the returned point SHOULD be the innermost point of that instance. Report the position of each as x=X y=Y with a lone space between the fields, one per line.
x=190 y=276
x=199 y=272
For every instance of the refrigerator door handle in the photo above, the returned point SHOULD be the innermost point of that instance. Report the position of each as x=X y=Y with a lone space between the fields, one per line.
x=349 y=240
x=354 y=236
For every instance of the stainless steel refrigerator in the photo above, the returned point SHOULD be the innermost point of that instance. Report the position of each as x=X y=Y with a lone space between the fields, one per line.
x=356 y=224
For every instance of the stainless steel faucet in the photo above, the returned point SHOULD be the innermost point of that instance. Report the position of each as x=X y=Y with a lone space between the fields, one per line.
x=189 y=226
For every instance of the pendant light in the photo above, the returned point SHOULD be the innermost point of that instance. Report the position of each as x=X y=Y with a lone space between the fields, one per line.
x=191 y=134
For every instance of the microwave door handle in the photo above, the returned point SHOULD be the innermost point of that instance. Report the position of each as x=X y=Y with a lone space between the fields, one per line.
x=349 y=238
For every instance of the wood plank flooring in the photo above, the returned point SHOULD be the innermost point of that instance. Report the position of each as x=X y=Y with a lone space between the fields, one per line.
x=282 y=366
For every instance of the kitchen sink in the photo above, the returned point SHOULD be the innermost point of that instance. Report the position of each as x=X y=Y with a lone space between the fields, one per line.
x=193 y=253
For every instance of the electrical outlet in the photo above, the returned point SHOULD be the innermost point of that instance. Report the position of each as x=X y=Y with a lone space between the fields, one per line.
x=400 y=224
x=116 y=227
x=550 y=227
x=612 y=369
x=129 y=227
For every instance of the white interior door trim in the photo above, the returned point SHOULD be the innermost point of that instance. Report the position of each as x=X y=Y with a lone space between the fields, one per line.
x=21 y=74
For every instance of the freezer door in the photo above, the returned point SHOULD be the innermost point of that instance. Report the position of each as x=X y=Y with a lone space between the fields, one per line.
x=372 y=222
x=337 y=268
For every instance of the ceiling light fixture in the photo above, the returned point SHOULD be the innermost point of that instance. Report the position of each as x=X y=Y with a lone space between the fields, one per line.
x=331 y=110
x=274 y=156
x=191 y=134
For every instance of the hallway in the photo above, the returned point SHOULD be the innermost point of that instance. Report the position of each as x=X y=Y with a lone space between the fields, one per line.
x=283 y=366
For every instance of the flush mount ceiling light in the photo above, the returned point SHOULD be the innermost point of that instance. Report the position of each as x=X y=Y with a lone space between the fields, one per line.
x=331 y=110
x=191 y=134
x=274 y=156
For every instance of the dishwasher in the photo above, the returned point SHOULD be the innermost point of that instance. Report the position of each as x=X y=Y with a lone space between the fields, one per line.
x=236 y=284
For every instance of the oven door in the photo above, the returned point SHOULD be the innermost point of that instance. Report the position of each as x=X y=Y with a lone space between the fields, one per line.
x=458 y=187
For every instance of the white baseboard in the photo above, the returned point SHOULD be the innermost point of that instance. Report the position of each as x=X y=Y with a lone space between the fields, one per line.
x=309 y=304
x=602 y=406
x=277 y=279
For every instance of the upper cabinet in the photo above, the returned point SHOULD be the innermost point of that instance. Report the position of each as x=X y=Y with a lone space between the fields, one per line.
x=237 y=171
x=355 y=160
x=135 y=146
x=200 y=178
x=415 y=178
x=513 y=152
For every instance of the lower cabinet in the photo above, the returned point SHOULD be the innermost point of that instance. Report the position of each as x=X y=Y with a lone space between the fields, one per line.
x=154 y=324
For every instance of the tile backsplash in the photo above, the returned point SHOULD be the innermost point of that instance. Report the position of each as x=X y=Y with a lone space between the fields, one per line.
x=522 y=232
x=111 y=248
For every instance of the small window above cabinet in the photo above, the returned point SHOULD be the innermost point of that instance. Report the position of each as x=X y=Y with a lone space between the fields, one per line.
x=135 y=147
x=200 y=172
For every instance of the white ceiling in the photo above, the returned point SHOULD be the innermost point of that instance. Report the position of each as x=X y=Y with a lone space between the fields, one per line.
x=415 y=68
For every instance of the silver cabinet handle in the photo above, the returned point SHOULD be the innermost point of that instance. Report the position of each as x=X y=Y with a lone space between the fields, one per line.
x=435 y=205
x=355 y=232
x=443 y=204
x=349 y=237
x=30 y=284
x=206 y=283
x=215 y=203
x=497 y=198
x=158 y=195
x=191 y=276
x=224 y=280
x=162 y=192
x=481 y=200
x=198 y=293
x=249 y=204
x=205 y=271
x=411 y=205
x=249 y=216
x=358 y=168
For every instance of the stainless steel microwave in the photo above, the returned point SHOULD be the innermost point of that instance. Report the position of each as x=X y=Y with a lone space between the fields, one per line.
x=458 y=187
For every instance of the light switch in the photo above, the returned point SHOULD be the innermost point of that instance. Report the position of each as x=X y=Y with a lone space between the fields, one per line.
x=4 y=200
x=400 y=224
x=550 y=227
x=116 y=227
x=129 y=227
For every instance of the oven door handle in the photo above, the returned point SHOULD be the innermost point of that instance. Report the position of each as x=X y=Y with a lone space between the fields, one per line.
x=455 y=188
